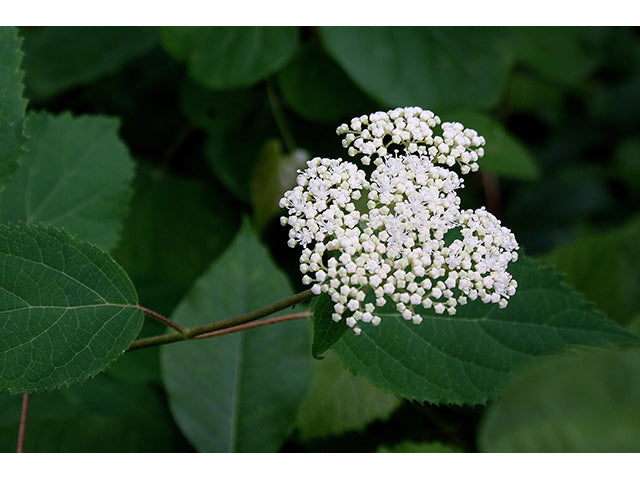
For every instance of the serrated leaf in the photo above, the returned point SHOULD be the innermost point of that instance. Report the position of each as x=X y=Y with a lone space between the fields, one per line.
x=12 y=104
x=339 y=402
x=584 y=402
x=230 y=57
x=60 y=58
x=101 y=415
x=466 y=358
x=604 y=267
x=66 y=309
x=430 y=67
x=326 y=332
x=504 y=154
x=75 y=175
x=239 y=392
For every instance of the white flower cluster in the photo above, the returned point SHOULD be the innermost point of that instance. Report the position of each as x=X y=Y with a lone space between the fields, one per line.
x=398 y=235
x=414 y=129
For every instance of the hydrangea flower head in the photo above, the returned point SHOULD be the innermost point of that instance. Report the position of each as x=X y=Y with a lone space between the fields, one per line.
x=415 y=130
x=399 y=234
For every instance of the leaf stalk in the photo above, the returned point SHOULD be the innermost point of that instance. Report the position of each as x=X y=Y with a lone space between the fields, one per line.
x=230 y=325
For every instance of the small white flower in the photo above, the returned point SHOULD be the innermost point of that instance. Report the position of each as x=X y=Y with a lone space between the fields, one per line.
x=416 y=130
x=391 y=245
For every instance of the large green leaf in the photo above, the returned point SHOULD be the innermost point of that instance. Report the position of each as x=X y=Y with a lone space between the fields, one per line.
x=527 y=95
x=560 y=54
x=604 y=267
x=60 y=58
x=504 y=154
x=99 y=416
x=546 y=213
x=317 y=89
x=213 y=110
x=465 y=359
x=431 y=67
x=240 y=392
x=65 y=309
x=230 y=57
x=580 y=402
x=195 y=221
x=12 y=104
x=338 y=401
x=76 y=175
x=233 y=150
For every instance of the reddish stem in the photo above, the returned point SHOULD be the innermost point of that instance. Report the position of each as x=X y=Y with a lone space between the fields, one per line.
x=24 y=412
x=257 y=323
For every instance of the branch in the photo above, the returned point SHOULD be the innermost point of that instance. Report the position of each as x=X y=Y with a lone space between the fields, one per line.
x=162 y=319
x=255 y=324
x=202 y=330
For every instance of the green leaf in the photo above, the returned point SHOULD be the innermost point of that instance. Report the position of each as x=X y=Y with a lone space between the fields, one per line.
x=504 y=154
x=526 y=94
x=99 y=416
x=196 y=223
x=274 y=174
x=12 y=104
x=75 y=175
x=339 y=402
x=419 y=447
x=546 y=213
x=65 y=309
x=430 y=67
x=213 y=110
x=239 y=392
x=230 y=57
x=317 y=89
x=233 y=150
x=560 y=54
x=326 y=332
x=60 y=58
x=604 y=267
x=585 y=402
x=465 y=358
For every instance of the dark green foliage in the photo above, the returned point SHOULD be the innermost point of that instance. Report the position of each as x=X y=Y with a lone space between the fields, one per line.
x=212 y=121
x=59 y=58
x=97 y=416
x=586 y=401
x=237 y=393
x=230 y=57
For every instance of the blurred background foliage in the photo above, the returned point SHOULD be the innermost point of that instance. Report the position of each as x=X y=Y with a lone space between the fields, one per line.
x=219 y=119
